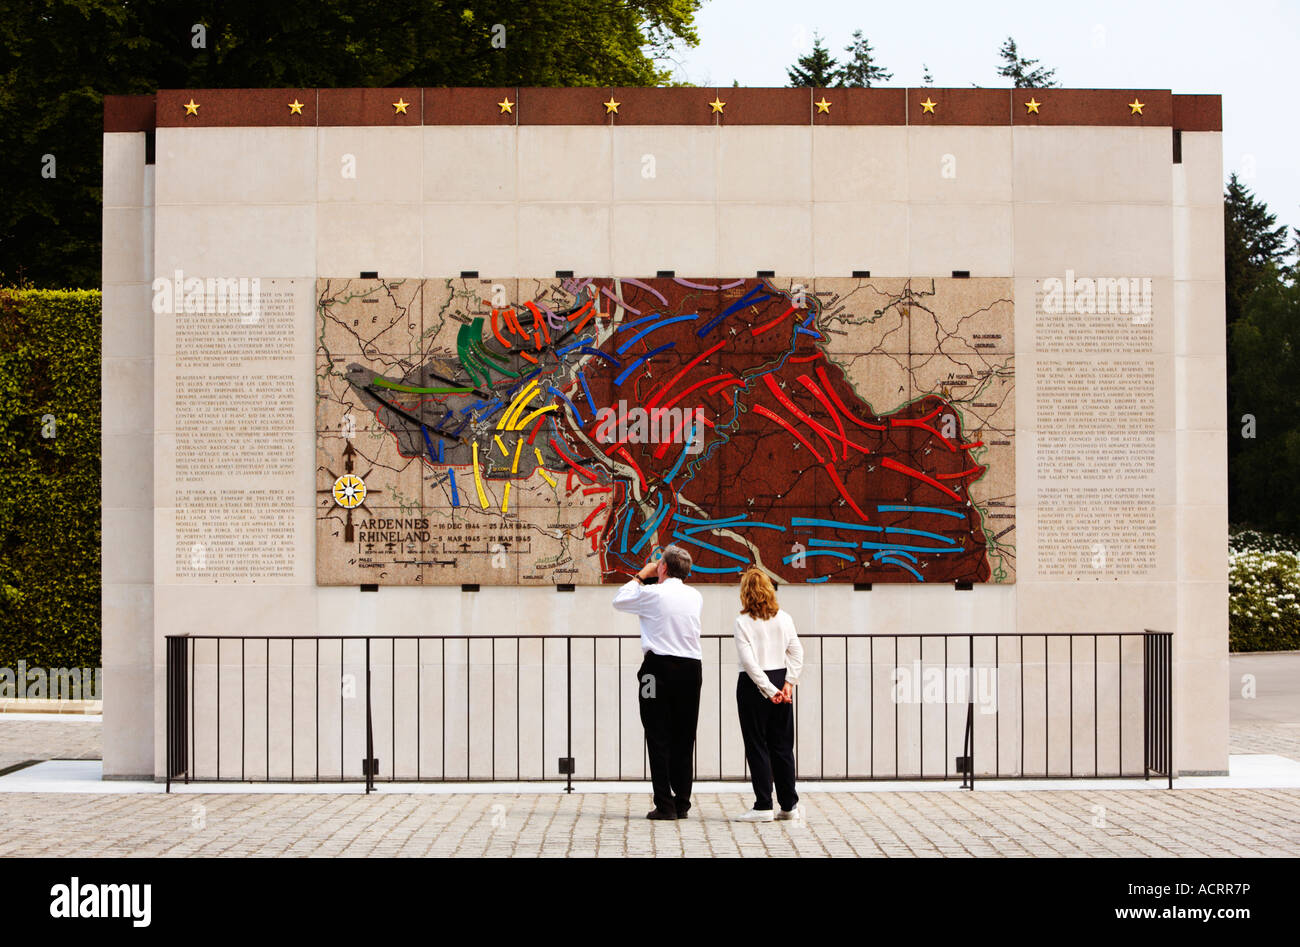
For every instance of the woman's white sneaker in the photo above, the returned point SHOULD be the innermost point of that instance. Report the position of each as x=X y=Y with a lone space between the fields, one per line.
x=791 y=816
x=756 y=815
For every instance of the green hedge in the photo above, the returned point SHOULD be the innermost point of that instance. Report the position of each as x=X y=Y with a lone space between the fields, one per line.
x=49 y=502
x=1263 y=592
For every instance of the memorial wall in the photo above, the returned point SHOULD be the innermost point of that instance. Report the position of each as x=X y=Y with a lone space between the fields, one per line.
x=936 y=360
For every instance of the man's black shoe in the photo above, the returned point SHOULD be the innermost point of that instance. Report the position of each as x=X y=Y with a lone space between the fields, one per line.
x=661 y=814
x=683 y=813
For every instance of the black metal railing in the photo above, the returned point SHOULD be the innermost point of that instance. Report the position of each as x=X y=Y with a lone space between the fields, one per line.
x=177 y=709
x=497 y=708
x=1157 y=705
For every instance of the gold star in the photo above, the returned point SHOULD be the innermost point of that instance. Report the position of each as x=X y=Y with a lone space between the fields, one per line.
x=612 y=106
x=295 y=107
x=927 y=105
x=1032 y=105
x=506 y=106
x=400 y=105
x=191 y=107
x=823 y=106
x=1135 y=107
x=716 y=105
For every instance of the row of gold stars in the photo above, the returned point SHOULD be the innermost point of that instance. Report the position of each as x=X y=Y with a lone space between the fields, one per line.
x=611 y=107
x=295 y=107
x=1135 y=107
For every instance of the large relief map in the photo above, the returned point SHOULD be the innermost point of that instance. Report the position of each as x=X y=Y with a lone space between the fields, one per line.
x=527 y=431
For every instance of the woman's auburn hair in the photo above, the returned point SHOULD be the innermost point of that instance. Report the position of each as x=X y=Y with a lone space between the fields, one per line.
x=757 y=596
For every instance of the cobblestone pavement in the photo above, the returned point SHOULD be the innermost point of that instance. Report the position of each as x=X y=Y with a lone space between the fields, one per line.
x=934 y=824
x=58 y=738
x=1255 y=736
x=1269 y=720
x=1193 y=822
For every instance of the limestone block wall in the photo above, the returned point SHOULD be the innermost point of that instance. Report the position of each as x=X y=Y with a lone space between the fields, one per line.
x=127 y=493
x=243 y=186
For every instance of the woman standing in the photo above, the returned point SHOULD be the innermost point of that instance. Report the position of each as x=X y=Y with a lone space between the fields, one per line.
x=771 y=658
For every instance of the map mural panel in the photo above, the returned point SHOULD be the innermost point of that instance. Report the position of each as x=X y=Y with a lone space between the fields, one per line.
x=535 y=431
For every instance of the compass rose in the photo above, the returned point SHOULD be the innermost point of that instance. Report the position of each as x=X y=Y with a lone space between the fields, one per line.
x=349 y=490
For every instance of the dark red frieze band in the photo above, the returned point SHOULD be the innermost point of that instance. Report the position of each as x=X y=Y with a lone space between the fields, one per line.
x=129 y=113
x=179 y=108
x=930 y=106
x=1198 y=113
x=238 y=107
x=1138 y=108
x=859 y=107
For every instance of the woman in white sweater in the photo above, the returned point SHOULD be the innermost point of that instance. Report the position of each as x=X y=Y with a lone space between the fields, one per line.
x=771 y=658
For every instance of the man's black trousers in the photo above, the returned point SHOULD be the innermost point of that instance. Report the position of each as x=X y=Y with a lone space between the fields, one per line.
x=768 y=731
x=668 y=693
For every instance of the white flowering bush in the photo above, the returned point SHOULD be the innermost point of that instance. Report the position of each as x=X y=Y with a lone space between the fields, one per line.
x=1263 y=592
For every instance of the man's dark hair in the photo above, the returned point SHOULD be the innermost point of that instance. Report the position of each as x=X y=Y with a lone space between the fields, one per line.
x=677 y=562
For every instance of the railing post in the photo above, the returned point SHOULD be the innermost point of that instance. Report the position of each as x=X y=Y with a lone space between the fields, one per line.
x=1169 y=707
x=177 y=660
x=968 y=738
x=1146 y=707
x=1157 y=704
x=568 y=712
x=370 y=735
x=970 y=710
x=170 y=705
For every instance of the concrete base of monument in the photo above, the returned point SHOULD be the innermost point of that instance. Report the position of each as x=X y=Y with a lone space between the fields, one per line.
x=1247 y=771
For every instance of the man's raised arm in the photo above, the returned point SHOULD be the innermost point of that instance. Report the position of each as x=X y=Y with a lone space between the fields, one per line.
x=635 y=596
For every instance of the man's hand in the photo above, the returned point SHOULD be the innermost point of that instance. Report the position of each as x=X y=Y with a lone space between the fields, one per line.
x=778 y=697
x=649 y=569
x=787 y=693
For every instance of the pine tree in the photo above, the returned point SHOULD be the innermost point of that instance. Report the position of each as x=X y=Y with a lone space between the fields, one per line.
x=1021 y=71
x=817 y=70
x=1254 y=267
x=861 y=70
x=1254 y=246
x=1264 y=383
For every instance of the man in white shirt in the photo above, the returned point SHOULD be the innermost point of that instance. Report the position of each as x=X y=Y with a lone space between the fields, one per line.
x=670 y=676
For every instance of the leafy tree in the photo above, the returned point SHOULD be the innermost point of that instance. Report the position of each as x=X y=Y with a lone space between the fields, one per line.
x=1265 y=383
x=818 y=69
x=58 y=58
x=1022 y=72
x=1254 y=267
x=926 y=78
x=861 y=70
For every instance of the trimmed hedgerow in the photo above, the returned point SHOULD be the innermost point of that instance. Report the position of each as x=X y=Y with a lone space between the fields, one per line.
x=49 y=492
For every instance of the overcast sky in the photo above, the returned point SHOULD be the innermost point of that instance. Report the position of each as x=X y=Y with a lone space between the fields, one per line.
x=1246 y=50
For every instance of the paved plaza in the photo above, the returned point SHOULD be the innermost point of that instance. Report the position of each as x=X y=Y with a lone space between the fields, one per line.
x=108 y=820
x=953 y=823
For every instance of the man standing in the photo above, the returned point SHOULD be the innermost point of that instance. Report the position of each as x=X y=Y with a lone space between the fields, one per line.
x=671 y=672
